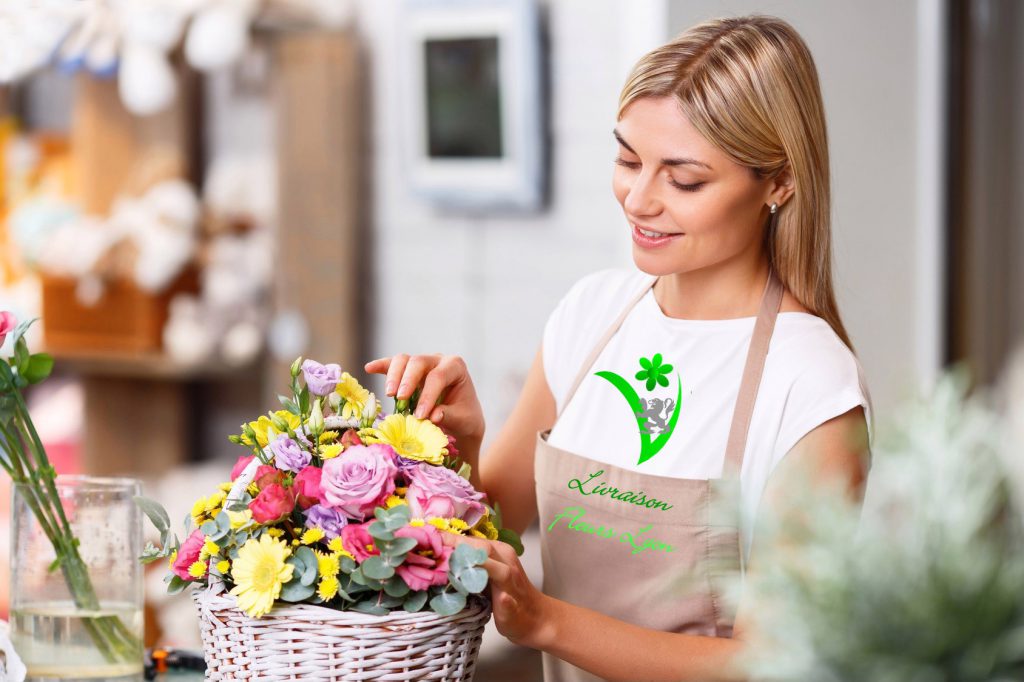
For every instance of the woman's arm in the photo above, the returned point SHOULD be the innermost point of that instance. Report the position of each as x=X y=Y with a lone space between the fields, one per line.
x=834 y=452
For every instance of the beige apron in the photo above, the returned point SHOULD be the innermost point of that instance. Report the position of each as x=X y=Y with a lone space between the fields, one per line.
x=658 y=566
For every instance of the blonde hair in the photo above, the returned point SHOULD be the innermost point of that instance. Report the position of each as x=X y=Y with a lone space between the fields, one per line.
x=749 y=85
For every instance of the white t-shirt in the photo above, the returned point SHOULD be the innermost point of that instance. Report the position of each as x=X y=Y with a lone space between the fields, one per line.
x=810 y=376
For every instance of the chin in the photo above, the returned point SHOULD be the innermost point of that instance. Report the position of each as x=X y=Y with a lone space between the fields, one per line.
x=660 y=264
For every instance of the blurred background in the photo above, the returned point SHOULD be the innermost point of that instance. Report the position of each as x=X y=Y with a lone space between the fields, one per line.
x=193 y=193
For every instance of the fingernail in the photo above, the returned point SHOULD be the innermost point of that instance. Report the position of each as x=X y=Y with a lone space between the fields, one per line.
x=389 y=388
x=418 y=413
x=438 y=416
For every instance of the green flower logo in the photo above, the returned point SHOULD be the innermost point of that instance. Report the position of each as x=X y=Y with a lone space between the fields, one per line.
x=653 y=372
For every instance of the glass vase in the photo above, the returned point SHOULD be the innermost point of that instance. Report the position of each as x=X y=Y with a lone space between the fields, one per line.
x=79 y=616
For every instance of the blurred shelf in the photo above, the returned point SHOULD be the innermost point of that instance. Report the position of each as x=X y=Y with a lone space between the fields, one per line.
x=145 y=366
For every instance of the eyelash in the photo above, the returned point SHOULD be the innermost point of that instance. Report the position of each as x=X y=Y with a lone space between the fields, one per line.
x=633 y=165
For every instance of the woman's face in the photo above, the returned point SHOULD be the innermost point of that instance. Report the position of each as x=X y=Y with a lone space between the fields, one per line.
x=670 y=180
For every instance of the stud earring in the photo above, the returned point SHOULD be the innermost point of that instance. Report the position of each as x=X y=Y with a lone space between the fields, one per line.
x=774 y=207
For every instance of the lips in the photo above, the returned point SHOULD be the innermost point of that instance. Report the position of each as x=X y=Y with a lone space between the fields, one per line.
x=652 y=242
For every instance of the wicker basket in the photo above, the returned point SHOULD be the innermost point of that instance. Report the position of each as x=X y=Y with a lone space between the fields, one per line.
x=310 y=642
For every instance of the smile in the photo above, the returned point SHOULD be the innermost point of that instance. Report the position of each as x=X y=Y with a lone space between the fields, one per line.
x=650 y=238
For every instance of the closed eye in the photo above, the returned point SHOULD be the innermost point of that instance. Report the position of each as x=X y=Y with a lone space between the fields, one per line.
x=633 y=165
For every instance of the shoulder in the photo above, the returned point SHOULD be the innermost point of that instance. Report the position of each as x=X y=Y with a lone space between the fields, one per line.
x=816 y=375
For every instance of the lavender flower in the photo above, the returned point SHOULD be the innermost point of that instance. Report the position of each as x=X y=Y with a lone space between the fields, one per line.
x=330 y=520
x=321 y=379
x=288 y=456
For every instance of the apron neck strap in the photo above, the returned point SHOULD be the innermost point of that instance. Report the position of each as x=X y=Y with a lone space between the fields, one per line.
x=771 y=300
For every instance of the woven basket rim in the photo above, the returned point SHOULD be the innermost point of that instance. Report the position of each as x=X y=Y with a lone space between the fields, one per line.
x=218 y=601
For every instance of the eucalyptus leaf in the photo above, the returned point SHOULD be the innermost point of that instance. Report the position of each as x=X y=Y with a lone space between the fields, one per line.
x=154 y=511
x=375 y=567
x=396 y=587
x=398 y=546
x=310 y=567
x=370 y=606
x=378 y=530
x=474 y=579
x=416 y=601
x=448 y=603
x=295 y=590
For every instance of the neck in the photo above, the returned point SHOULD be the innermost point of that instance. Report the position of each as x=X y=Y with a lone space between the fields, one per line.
x=719 y=292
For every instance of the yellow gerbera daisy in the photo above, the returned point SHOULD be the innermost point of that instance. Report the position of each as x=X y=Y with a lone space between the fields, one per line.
x=259 y=571
x=411 y=437
x=356 y=397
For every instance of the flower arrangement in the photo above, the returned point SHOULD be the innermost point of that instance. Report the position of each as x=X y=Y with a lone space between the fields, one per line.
x=337 y=505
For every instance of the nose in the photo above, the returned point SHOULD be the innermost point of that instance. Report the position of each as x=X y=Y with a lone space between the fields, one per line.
x=642 y=198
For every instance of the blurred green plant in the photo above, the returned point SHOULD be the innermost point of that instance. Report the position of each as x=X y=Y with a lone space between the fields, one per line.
x=925 y=583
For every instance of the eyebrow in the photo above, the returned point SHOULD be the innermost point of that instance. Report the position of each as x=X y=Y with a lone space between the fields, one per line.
x=683 y=161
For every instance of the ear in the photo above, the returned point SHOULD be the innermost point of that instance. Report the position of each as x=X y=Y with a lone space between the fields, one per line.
x=782 y=186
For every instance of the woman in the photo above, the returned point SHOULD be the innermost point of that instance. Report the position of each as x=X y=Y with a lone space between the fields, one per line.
x=723 y=178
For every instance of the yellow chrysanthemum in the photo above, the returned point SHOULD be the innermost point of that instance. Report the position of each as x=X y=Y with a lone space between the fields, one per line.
x=331 y=451
x=328 y=436
x=253 y=489
x=171 y=558
x=226 y=486
x=328 y=564
x=275 y=532
x=335 y=545
x=209 y=549
x=259 y=572
x=197 y=569
x=328 y=588
x=416 y=522
x=205 y=508
x=312 y=535
x=240 y=518
x=485 y=529
x=296 y=542
x=393 y=501
x=412 y=438
x=356 y=397
x=458 y=525
x=438 y=523
x=224 y=566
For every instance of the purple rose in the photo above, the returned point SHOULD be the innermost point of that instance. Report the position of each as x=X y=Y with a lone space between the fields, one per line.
x=330 y=520
x=288 y=456
x=359 y=480
x=321 y=379
x=439 y=491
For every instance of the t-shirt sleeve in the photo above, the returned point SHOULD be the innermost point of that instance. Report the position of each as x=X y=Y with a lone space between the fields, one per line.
x=829 y=383
x=553 y=348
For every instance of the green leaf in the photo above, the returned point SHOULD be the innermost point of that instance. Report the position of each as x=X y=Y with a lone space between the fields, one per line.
x=154 y=511
x=39 y=367
x=370 y=606
x=465 y=470
x=448 y=603
x=209 y=528
x=396 y=587
x=375 y=567
x=510 y=537
x=295 y=590
x=289 y=405
x=457 y=584
x=151 y=553
x=176 y=585
x=497 y=515
x=474 y=579
x=466 y=556
x=378 y=530
x=416 y=601
x=304 y=401
x=55 y=564
x=398 y=546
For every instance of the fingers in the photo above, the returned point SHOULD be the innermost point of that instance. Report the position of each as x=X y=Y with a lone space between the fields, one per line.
x=445 y=373
x=415 y=370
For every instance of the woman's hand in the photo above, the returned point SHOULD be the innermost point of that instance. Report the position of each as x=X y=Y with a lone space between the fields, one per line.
x=519 y=607
x=448 y=397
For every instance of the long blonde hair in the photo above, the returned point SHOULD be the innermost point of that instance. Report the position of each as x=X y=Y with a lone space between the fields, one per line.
x=749 y=85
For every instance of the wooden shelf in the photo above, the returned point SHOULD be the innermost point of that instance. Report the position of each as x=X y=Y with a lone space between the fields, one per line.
x=146 y=366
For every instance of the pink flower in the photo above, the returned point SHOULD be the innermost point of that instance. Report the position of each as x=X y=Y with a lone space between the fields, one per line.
x=274 y=503
x=188 y=554
x=439 y=491
x=240 y=465
x=359 y=480
x=307 y=486
x=7 y=324
x=350 y=438
x=357 y=539
x=267 y=475
x=426 y=564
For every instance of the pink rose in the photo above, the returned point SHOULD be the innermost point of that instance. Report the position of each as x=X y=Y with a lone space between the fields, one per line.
x=439 y=491
x=240 y=465
x=274 y=503
x=267 y=475
x=356 y=539
x=7 y=324
x=360 y=480
x=307 y=486
x=188 y=554
x=426 y=564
